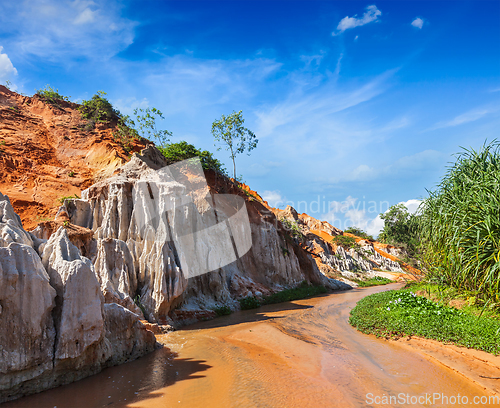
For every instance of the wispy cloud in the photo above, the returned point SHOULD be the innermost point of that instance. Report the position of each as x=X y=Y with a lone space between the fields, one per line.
x=418 y=23
x=53 y=28
x=274 y=198
x=7 y=69
x=307 y=112
x=469 y=116
x=192 y=86
x=371 y=14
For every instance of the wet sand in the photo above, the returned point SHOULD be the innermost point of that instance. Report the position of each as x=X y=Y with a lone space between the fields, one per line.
x=298 y=354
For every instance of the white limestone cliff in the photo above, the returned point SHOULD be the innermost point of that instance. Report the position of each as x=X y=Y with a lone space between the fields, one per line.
x=55 y=328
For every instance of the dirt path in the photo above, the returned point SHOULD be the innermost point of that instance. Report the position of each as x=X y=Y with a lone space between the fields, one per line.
x=300 y=354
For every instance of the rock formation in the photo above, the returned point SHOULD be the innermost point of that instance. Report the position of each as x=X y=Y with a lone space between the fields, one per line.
x=141 y=261
x=55 y=326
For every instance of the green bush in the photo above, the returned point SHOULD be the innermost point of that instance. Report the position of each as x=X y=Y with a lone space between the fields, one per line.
x=51 y=95
x=175 y=152
x=125 y=134
x=223 y=311
x=345 y=241
x=62 y=199
x=359 y=233
x=293 y=228
x=400 y=313
x=301 y=292
x=250 y=302
x=460 y=226
x=98 y=110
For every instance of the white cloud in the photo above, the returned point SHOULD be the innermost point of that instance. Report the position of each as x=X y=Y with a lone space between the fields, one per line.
x=356 y=38
x=86 y=16
x=273 y=198
x=469 y=116
x=7 y=69
x=418 y=23
x=355 y=212
x=412 y=205
x=63 y=28
x=371 y=14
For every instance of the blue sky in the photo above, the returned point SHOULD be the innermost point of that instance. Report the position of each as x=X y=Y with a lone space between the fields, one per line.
x=357 y=105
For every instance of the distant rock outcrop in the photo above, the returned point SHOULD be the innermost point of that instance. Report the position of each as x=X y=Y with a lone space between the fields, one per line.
x=366 y=260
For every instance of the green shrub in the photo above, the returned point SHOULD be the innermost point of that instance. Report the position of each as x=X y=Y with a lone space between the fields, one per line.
x=250 y=302
x=223 y=311
x=375 y=281
x=125 y=134
x=62 y=199
x=460 y=226
x=175 y=152
x=293 y=228
x=399 y=313
x=359 y=233
x=98 y=110
x=345 y=241
x=301 y=292
x=51 y=95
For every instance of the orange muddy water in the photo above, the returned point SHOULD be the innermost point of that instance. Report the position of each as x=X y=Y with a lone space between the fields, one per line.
x=299 y=354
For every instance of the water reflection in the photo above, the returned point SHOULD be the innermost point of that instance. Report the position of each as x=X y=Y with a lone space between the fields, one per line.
x=119 y=386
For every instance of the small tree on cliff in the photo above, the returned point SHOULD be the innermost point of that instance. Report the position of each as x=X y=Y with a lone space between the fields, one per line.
x=230 y=131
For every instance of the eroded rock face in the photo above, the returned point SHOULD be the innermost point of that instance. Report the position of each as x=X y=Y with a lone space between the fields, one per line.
x=26 y=302
x=115 y=205
x=55 y=326
x=126 y=335
x=78 y=313
x=116 y=273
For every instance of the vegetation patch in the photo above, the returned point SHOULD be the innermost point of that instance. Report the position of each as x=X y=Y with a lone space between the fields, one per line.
x=250 y=302
x=223 y=311
x=375 y=281
x=301 y=292
x=304 y=290
x=293 y=228
x=394 y=314
x=62 y=199
x=460 y=224
x=51 y=95
x=345 y=241
x=359 y=233
x=97 y=110
x=175 y=152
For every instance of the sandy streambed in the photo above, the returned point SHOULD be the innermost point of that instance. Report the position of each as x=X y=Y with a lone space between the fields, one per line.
x=300 y=354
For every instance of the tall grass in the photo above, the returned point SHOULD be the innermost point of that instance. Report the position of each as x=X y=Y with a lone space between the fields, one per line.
x=460 y=223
